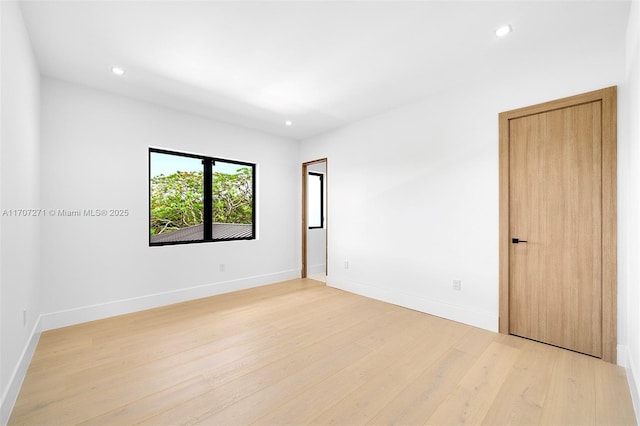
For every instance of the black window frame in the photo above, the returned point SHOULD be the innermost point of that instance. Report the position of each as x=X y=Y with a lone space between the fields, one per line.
x=321 y=176
x=207 y=165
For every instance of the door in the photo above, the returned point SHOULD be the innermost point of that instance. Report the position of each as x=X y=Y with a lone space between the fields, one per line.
x=561 y=160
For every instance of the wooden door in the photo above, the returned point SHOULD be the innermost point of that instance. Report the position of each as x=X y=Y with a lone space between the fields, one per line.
x=560 y=166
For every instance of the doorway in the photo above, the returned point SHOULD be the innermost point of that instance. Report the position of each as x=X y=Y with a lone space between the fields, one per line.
x=314 y=219
x=558 y=223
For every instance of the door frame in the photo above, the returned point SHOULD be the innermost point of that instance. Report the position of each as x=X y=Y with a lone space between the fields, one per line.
x=305 y=171
x=608 y=99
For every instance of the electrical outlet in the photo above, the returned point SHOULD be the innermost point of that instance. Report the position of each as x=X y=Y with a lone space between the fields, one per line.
x=457 y=285
x=346 y=264
x=223 y=267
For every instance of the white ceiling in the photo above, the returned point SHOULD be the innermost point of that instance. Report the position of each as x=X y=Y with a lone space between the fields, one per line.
x=321 y=64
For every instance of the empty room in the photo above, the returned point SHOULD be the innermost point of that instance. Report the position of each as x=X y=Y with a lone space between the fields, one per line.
x=319 y=212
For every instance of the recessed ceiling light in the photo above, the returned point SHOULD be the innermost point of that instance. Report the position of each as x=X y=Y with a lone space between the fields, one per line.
x=503 y=30
x=288 y=123
x=117 y=71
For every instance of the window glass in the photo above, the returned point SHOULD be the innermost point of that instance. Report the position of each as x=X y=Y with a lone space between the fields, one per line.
x=177 y=198
x=315 y=200
x=196 y=198
x=232 y=200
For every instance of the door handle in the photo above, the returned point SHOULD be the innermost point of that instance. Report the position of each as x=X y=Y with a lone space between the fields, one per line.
x=517 y=241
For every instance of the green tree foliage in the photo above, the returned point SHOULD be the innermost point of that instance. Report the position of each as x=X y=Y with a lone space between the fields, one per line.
x=177 y=199
x=233 y=197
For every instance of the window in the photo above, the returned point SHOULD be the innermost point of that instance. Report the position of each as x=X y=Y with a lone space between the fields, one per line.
x=194 y=198
x=315 y=199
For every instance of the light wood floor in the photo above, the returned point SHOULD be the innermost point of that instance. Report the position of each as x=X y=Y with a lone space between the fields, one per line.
x=301 y=353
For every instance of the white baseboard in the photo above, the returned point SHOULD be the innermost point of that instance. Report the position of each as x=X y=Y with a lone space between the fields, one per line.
x=15 y=382
x=633 y=377
x=477 y=318
x=119 y=307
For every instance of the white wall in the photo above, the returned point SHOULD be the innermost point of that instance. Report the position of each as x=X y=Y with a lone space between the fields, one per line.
x=631 y=271
x=20 y=189
x=414 y=191
x=95 y=156
x=316 y=251
x=317 y=238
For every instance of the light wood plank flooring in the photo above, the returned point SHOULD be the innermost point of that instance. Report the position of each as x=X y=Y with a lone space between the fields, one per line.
x=299 y=352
